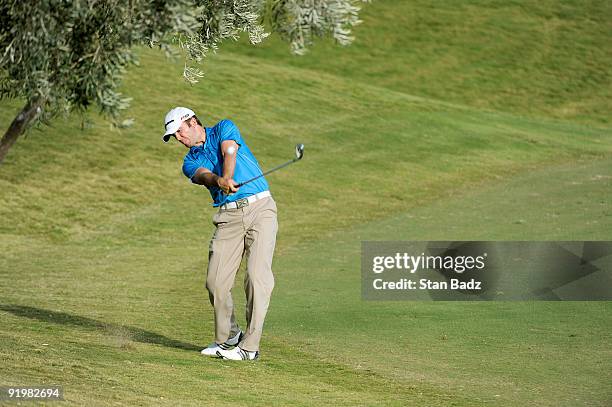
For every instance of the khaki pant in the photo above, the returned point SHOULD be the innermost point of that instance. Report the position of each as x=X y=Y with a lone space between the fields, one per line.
x=249 y=230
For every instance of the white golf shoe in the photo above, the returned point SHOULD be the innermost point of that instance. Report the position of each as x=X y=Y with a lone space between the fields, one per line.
x=237 y=354
x=211 y=350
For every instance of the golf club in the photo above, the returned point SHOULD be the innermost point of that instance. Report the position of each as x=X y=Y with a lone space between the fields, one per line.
x=299 y=153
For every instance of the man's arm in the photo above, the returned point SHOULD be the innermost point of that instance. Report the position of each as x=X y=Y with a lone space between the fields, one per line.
x=226 y=183
x=205 y=177
x=229 y=148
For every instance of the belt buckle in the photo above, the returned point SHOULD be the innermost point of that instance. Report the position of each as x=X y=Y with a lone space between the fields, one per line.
x=241 y=203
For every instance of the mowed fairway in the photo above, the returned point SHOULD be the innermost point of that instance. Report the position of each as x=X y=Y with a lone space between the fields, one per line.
x=104 y=242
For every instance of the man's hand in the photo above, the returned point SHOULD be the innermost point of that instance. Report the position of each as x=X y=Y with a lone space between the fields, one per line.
x=227 y=185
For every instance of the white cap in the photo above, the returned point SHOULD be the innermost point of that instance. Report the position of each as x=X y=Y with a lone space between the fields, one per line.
x=173 y=121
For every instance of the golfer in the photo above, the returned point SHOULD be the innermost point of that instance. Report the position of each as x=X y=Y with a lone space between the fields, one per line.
x=219 y=159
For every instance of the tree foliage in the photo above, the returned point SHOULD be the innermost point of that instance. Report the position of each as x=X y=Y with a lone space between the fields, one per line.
x=298 y=22
x=66 y=55
x=71 y=54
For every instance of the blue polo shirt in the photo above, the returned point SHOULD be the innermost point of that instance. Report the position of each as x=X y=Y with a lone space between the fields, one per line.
x=209 y=156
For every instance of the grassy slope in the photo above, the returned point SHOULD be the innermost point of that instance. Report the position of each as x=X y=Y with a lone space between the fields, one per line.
x=104 y=248
x=544 y=58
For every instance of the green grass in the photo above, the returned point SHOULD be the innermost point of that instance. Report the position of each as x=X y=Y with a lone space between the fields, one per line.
x=544 y=58
x=104 y=241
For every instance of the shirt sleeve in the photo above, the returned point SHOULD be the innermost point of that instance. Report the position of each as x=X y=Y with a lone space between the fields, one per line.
x=190 y=166
x=229 y=131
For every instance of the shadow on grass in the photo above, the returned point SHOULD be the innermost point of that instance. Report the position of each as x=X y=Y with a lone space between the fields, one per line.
x=128 y=332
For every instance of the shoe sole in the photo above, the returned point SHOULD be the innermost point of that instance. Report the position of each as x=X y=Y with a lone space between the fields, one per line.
x=224 y=346
x=220 y=356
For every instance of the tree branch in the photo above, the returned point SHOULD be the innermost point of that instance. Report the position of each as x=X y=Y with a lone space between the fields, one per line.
x=19 y=125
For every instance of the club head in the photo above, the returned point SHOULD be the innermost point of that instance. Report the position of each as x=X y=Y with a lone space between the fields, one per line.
x=299 y=151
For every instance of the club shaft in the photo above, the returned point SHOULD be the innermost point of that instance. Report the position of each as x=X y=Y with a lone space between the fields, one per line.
x=269 y=171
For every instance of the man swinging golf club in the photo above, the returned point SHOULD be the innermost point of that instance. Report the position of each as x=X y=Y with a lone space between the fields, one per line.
x=219 y=159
